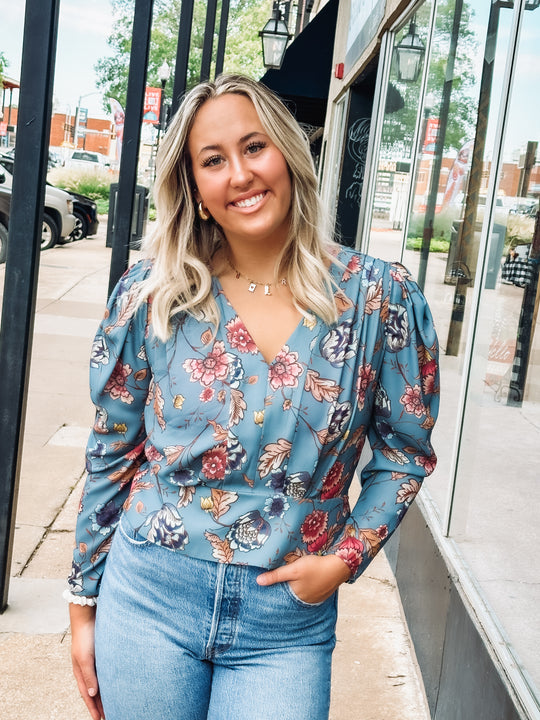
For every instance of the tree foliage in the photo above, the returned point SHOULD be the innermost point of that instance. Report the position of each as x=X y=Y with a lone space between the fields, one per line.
x=398 y=132
x=242 y=54
x=3 y=64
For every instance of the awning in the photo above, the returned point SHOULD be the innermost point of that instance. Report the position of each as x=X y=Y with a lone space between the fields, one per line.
x=9 y=83
x=304 y=77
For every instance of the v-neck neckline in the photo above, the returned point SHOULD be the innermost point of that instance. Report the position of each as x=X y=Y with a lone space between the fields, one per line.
x=286 y=343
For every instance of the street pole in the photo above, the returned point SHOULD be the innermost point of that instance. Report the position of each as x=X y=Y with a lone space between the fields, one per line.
x=22 y=263
x=127 y=180
x=182 y=54
x=222 y=37
x=206 y=60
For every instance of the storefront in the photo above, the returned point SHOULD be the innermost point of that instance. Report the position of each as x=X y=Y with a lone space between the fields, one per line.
x=430 y=157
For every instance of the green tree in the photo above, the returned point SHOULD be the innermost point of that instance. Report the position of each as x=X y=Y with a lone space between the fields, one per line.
x=3 y=65
x=398 y=131
x=243 y=48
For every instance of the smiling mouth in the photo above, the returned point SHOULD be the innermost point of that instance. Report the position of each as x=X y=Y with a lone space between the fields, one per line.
x=249 y=202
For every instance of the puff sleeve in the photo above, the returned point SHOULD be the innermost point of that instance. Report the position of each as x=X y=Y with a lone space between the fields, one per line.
x=405 y=407
x=119 y=382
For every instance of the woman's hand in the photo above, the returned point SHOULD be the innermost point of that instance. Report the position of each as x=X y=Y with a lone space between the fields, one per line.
x=83 y=619
x=312 y=578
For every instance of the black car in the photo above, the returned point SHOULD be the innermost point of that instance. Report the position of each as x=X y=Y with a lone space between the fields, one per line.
x=86 y=219
x=84 y=208
x=5 y=202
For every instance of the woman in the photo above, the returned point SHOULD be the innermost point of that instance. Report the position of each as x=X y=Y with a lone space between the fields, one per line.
x=236 y=375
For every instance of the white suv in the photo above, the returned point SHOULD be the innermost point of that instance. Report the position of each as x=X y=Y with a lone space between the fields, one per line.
x=58 y=218
x=87 y=159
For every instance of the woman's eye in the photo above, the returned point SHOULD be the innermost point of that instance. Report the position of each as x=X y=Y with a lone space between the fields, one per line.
x=211 y=161
x=254 y=147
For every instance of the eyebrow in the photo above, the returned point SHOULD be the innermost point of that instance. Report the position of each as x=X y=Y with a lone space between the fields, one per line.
x=242 y=140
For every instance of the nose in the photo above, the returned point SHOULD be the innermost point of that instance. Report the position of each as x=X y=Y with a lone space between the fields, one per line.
x=241 y=174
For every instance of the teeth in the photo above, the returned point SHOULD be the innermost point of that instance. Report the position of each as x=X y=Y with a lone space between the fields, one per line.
x=250 y=201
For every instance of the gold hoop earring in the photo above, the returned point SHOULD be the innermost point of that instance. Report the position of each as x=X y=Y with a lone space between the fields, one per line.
x=202 y=213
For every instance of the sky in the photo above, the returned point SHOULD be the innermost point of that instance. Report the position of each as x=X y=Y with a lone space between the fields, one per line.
x=82 y=39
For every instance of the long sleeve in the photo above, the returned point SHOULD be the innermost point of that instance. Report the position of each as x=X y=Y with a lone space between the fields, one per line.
x=119 y=382
x=406 y=401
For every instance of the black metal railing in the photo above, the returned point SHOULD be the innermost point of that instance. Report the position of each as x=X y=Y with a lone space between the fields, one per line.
x=22 y=263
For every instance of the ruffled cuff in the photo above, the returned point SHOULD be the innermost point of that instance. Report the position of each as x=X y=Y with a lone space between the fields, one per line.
x=79 y=599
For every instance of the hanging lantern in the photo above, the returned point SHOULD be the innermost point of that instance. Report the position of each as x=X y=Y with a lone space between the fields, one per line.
x=409 y=55
x=275 y=37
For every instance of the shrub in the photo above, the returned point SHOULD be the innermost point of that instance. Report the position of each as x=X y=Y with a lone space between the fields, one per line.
x=95 y=184
x=436 y=245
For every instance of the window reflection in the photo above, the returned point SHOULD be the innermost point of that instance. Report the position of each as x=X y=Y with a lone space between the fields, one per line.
x=397 y=145
x=499 y=452
x=467 y=225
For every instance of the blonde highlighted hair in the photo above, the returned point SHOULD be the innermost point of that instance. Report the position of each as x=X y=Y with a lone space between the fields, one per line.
x=182 y=245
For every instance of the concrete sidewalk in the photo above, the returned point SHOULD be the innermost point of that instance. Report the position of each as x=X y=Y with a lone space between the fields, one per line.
x=375 y=675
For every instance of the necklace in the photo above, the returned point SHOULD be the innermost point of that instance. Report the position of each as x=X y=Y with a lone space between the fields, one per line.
x=253 y=284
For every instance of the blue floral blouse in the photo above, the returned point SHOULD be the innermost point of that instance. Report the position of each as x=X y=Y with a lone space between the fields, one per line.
x=211 y=451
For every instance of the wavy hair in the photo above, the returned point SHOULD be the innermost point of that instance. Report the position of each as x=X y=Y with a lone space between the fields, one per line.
x=181 y=246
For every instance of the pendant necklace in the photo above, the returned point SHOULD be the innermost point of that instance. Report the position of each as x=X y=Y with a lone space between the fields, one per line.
x=253 y=284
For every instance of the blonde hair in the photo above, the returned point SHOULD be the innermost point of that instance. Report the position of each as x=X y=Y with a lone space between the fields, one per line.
x=182 y=245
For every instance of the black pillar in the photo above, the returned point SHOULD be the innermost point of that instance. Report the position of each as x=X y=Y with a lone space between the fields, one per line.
x=208 y=42
x=127 y=180
x=222 y=37
x=22 y=263
x=182 y=54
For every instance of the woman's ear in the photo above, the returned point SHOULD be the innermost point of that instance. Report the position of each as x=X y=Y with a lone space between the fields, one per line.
x=196 y=194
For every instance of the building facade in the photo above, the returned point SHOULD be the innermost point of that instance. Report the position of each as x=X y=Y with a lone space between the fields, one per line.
x=429 y=156
x=93 y=134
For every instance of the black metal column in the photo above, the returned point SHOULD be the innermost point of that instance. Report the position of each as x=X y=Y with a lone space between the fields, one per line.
x=127 y=180
x=22 y=263
x=182 y=54
x=208 y=43
x=222 y=37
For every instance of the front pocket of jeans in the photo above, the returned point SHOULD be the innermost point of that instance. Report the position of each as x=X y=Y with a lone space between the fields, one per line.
x=298 y=601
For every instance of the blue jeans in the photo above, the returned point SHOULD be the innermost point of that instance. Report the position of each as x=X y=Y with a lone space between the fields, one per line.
x=184 y=639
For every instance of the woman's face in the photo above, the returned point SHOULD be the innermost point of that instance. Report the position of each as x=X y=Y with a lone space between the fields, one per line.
x=241 y=177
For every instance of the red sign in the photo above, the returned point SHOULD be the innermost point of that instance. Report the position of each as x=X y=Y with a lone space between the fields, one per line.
x=432 y=131
x=3 y=128
x=152 y=104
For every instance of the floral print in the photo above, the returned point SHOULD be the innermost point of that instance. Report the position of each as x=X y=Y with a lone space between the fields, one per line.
x=211 y=451
x=314 y=530
x=215 y=366
x=239 y=338
x=339 y=344
x=285 y=370
x=116 y=385
x=412 y=401
x=166 y=527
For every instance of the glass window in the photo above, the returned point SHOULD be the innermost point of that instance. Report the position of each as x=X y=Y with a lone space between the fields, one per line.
x=494 y=514
x=398 y=137
x=455 y=197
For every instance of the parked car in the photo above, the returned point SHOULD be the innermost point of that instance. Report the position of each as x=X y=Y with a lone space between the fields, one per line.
x=58 y=218
x=86 y=219
x=84 y=208
x=4 y=205
x=87 y=159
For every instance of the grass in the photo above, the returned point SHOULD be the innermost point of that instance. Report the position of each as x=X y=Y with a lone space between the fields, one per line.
x=436 y=245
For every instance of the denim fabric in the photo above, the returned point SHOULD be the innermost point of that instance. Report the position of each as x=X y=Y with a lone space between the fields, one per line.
x=178 y=638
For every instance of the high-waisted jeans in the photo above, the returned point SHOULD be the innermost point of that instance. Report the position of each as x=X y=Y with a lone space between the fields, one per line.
x=184 y=639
